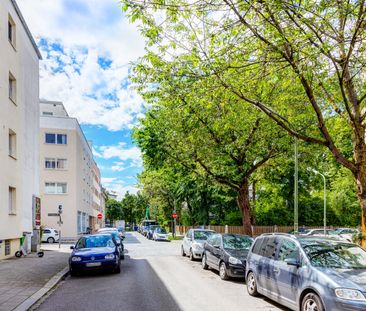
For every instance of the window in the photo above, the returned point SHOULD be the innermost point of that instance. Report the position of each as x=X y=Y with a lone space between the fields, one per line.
x=12 y=88
x=82 y=222
x=269 y=247
x=257 y=246
x=58 y=139
x=12 y=143
x=47 y=113
x=11 y=31
x=52 y=163
x=7 y=248
x=46 y=231
x=12 y=201
x=55 y=188
x=288 y=250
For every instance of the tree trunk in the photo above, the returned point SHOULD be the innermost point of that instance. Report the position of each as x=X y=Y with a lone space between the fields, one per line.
x=361 y=194
x=253 y=211
x=244 y=206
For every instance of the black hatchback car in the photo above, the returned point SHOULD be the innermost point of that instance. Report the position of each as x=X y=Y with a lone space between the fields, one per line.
x=227 y=253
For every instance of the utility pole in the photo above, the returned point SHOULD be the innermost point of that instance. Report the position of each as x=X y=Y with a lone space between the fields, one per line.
x=296 y=196
x=59 y=225
x=324 y=200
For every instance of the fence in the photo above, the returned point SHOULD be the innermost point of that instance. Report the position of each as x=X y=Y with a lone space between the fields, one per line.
x=257 y=230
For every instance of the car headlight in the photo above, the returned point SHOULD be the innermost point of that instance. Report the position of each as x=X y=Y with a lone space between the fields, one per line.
x=75 y=258
x=235 y=261
x=109 y=256
x=349 y=294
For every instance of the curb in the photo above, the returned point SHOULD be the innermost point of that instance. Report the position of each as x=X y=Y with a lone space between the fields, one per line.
x=30 y=301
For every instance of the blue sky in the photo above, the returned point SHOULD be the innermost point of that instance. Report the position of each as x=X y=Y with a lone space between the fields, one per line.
x=87 y=48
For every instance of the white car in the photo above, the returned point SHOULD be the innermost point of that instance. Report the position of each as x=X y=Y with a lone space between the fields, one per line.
x=50 y=235
x=347 y=234
x=160 y=234
x=193 y=241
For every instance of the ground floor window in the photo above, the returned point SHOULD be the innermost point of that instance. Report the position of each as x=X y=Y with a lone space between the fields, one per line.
x=82 y=222
x=7 y=248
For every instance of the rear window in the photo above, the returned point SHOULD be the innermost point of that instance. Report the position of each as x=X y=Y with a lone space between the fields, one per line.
x=266 y=247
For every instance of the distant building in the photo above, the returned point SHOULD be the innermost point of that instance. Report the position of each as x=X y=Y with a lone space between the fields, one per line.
x=19 y=125
x=69 y=176
x=112 y=194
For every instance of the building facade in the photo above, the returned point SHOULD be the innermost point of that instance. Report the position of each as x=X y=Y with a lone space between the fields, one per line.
x=69 y=177
x=19 y=128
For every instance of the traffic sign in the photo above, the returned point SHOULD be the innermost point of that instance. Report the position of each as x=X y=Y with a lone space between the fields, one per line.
x=100 y=216
x=174 y=215
x=53 y=214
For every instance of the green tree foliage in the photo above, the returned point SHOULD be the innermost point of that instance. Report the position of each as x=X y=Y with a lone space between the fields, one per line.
x=113 y=209
x=300 y=62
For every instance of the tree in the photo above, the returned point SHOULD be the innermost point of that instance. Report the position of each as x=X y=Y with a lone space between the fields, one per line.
x=300 y=62
x=212 y=134
x=113 y=209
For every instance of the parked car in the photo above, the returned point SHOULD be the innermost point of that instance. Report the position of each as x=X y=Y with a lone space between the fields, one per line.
x=145 y=224
x=307 y=273
x=119 y=241
x=50 y=235
x=95 y=252
x=107 y=229
x=160 y=234
x=226 y=253
x=347 y=234
x=150 y=231
x=193 y=241
x=319 y=232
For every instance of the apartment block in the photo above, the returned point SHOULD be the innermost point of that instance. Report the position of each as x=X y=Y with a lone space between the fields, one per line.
x=19 y=128
x=69 y=175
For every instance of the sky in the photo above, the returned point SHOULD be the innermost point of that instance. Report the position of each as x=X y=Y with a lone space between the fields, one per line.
x=87 y=47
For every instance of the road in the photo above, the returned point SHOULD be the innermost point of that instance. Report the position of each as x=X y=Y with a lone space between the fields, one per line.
x=154 y=277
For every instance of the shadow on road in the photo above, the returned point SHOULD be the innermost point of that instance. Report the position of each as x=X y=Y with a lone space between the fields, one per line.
x=137 y=287
x=130 y=239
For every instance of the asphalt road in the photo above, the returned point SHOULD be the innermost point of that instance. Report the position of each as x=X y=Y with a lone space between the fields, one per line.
x=154 y=277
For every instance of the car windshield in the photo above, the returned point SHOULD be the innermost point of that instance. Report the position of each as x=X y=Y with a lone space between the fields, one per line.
x=95 y=241
x=202 y=235
x=161 y=230
x=237 y=242
x=332 y=254
x=114 y=233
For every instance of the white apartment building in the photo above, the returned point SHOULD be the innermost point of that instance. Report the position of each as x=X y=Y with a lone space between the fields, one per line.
x=19 y=128
x=68 y=175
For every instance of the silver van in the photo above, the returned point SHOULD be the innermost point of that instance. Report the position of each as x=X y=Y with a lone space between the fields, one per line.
x=307 y=273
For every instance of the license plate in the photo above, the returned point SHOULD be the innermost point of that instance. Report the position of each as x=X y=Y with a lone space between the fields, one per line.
x=93 y=264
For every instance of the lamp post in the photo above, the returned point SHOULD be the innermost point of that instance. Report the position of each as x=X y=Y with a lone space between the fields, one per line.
x=325 y=199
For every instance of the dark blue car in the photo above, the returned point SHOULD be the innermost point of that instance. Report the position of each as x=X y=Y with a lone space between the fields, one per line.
x=95 y=252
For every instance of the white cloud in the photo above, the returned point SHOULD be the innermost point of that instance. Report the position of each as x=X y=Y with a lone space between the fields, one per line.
x=108 y=180
x=120 y=151
x=121 y=189
x=78 y=33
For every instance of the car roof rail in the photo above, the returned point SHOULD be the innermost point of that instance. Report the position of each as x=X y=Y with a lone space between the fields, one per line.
x=279 y=233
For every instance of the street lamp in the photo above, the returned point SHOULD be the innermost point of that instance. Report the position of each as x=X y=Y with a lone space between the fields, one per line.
x=325 y=198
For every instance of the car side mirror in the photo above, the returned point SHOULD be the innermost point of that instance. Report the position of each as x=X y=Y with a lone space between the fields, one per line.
x=122 y=238
x=72 y=247
x=216 y=246
x=293 y=262
x=118 y=244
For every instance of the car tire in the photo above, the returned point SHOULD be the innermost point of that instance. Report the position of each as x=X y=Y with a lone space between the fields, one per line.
x=72 y=273
x=50 y=240
x=191 y=256
x=311 y=301
x=223 y=272
x=204 y=262
x=251 y=284
x=117 y=270
x=182 y=251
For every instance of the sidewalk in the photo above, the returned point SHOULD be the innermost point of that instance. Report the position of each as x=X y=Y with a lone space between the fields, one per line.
x=20 y=278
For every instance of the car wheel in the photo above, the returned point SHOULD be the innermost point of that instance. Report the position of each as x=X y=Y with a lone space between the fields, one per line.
x=72 y=272
x=182 y=251
x=50 y=240
x=191 y=256
x=118 y=268
x=204 y=262
x=252 y=284
x=223 y=272
x=311 y=302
